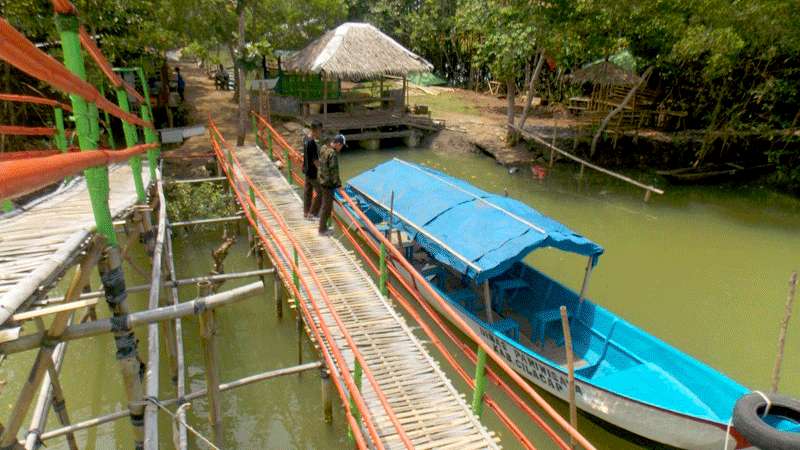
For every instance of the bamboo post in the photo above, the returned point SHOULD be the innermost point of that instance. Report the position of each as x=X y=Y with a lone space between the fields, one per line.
x=131 y=139
x=260 y=264
x=327 y=395
x=269 y=145
x=59 y=404
x=8 y=439
x=288 y=166
x=487 y=298
x=276 y=290
x=324 y=98
x=573 y=413
x=210 y=357
x=776 y=371
x=61 y=136
x=8 y=206
x=111 y=142
x=299 y=318
x=587 y=275
x=86 y=124
x=127 y=355
x=383 y=273
x=480 y=383
x=357 y=373
x=150 y=137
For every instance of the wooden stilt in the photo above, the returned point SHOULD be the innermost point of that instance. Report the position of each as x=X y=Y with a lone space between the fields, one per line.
x=573 y=413
x=45 y=356
x=276 y=290
x=327 y=395
x=299 y=326
x=210 y=357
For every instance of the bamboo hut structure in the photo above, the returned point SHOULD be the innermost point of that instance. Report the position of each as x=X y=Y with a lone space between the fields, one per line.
x=330 y=69
x=605 y=86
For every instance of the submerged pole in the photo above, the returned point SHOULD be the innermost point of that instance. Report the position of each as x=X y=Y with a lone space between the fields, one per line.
x=276 y=290
x=573 y=412
x=327 y=395
x=208 y=331
x=776 y=371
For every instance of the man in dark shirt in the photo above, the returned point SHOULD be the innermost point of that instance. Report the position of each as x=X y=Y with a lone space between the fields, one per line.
x=329 y=179
x=311 y=203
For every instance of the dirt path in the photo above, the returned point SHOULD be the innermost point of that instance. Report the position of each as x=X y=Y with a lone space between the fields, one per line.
x=202 y=100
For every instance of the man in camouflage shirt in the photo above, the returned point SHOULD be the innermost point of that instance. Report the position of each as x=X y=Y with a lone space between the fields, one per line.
x=329 y=180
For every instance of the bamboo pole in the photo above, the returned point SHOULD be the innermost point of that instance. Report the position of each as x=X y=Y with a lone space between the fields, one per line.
x=787 y=315
x=246 y=381
x=143 y=287
x=573 y=413
x=49 y=395
x=276 y=290
x=327 y=395
x=39 y=367
x=132 y=320
x=196 y=180
x=480 y=383
x=487 y=299
x=586 y=276
x=180 y=380
x=208 y=331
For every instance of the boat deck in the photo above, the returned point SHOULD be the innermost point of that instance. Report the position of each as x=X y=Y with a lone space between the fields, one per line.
x=37 y=243
x=430 y=409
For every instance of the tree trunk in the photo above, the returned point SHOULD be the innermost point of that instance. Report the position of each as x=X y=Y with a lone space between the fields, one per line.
x=531 y=89
x=619 y=108
x=511 y=88
x=242 y=131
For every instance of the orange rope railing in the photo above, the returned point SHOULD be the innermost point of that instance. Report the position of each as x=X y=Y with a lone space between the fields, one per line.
x=397 y=257
x=64 y=7
x=34 y=100
x=23 y=176
x=101 y=61
x=16 y=130
x=331 y=310
x=321 y=336
x=27 y=154
x=18 y=51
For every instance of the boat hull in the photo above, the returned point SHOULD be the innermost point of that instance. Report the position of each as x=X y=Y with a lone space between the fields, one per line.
x=656 y=424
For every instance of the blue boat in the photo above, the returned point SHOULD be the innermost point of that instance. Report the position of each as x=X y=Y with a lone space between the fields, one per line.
x=470 y=245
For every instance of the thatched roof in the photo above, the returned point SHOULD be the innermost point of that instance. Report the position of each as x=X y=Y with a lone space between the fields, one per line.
x=356 y=51
x=605 y=72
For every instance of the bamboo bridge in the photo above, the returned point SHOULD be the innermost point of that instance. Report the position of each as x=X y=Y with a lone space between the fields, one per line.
x=392 y=390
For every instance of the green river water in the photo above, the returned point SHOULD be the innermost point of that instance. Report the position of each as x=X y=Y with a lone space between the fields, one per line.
x=704 y=269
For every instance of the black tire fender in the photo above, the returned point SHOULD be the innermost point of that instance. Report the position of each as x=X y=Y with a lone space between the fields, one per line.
x=747 y=421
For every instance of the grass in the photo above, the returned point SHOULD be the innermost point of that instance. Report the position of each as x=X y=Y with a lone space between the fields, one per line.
x=445 y=102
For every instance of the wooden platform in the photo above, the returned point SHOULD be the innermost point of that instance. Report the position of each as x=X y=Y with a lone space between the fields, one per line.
x=373 y=124
x=37 y=244
x=433 y=413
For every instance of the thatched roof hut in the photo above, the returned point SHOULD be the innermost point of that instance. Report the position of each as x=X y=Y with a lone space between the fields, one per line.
x=605 y=73
x=356 y=51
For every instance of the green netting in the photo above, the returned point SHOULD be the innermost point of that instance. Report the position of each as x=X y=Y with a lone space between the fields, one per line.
x=306 y=86
x=426 y=79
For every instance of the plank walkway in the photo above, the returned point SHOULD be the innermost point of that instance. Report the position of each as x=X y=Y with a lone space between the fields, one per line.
x=431 y=410
x=36 y=243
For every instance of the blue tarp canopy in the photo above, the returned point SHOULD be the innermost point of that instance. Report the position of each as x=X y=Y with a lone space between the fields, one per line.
x=475 y=232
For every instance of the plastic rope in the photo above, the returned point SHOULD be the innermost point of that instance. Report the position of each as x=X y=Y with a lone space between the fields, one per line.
x=767 y=400
x=175 y=418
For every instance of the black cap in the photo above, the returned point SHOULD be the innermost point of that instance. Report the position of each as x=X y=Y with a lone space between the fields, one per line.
x=316 y=125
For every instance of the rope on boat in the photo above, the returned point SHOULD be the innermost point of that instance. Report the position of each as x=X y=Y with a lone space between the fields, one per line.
x=175 y=418
x=766 y=400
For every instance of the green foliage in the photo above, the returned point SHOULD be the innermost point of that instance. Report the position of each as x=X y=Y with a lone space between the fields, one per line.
x=194 y=201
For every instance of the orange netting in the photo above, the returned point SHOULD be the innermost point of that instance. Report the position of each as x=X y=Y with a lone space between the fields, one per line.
x=35 y=100
x=18 y=51
x=98 y=57
x=23 y=176
x=16 y=130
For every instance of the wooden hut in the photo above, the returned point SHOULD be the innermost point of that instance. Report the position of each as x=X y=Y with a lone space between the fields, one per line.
x=354 y=80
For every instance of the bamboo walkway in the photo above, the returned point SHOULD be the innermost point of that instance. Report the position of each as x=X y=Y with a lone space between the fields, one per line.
x=37 y=244
x=431 y=411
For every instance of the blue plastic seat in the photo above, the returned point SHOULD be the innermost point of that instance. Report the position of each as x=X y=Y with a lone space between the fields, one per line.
x=467 y=298
x=542 y=320
x=507 y=326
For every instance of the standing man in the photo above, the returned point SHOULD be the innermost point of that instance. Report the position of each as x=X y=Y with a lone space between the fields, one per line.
x=329 y=179
x=311 y=203
x=181 y=82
